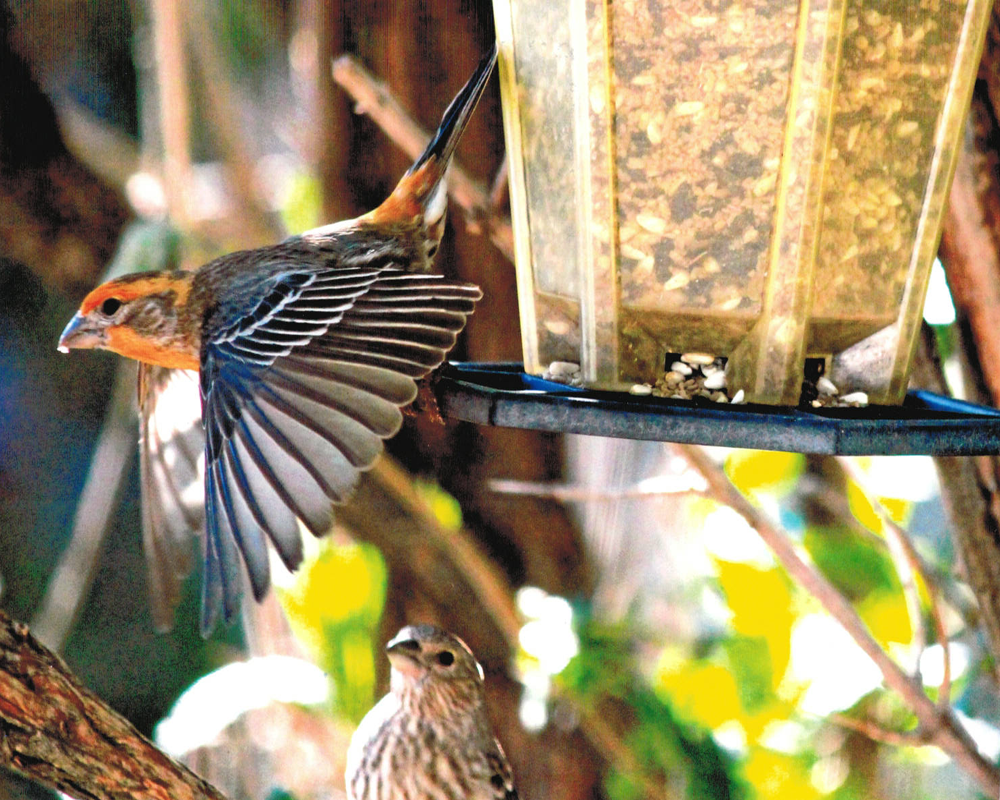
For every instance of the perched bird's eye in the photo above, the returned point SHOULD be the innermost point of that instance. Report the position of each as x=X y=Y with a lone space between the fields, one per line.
x=110 y=306
x=446 y=658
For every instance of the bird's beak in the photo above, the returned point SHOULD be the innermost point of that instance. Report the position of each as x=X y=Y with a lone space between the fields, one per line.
x=80 y=334
x=404 y=656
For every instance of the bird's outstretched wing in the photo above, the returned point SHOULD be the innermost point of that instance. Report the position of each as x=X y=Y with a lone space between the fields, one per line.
x=171 y=460
x=301 y=382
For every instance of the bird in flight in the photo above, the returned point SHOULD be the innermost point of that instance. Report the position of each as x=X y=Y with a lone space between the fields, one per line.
x=303 y=353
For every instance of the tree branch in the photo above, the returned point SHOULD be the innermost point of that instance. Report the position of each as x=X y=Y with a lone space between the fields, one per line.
x=569 y=493
x=969 y=246
x=58 y=733
x=909 y=566
x=877 y=733
x=938 y=724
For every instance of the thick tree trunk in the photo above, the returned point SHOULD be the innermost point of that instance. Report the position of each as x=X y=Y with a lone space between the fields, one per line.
x=969 y=252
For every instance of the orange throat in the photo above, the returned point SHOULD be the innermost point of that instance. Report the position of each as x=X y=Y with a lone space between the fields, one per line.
x=128 y=343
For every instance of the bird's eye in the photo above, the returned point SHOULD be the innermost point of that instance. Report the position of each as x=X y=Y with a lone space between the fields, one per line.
x=446 y=658
x=110 y=306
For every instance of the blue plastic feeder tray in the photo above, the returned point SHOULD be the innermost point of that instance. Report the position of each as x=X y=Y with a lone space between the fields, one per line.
x=925 y=424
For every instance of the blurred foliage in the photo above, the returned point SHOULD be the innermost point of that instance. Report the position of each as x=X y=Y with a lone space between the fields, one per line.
x=334 y=606
x=757 y=471
x=739 y=678
x=303 y=204
x=664 y=746
x=445 y=508
x=146 y=246
x=725 y=713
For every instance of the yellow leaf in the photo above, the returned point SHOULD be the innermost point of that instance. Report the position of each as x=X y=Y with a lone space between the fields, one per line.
x=356 y=657
x=762 y=470
x=862 y=508
x=303 y=202
x=755 y=724
x=897 y=509
x=701 y=692
x=887 y=617
x=342 y=582
x=761 y=602
x=777 y=776
x=446 y=509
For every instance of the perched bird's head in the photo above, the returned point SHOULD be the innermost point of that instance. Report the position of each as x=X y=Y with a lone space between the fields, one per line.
x=136 y=316
x=434 y=670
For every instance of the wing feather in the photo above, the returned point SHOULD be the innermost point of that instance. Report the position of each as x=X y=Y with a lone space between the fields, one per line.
x=171 y=446
x=299 y=390
x=268 y=507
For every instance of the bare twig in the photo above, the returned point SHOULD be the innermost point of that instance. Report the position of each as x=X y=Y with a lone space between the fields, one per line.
x=939 y=725
x=372 y=97
x=103 y=148
x=499 y=190
x=909 y=566
x=172 y=82
x=877 y=733
x=56 y=732
x=224 y=116
x=488 y=583
x=580 y=494
x=837 y=504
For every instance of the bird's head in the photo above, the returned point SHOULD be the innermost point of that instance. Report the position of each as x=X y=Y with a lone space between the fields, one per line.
x=434 y=666
x=135 y=316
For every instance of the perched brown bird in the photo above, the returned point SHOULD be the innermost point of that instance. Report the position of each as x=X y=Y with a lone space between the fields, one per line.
x=429 y=737
x=305 y=351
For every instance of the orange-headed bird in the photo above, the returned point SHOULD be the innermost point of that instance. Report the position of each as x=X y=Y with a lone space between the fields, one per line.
x=306 y=351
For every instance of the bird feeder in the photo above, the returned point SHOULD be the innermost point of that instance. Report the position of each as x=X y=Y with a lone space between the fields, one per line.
x=759 y=180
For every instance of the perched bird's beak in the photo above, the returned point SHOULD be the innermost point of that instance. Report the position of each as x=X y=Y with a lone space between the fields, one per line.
x=80 y=334
x=404 y=655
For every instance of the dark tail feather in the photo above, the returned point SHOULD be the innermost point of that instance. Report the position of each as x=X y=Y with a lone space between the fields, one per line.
x=455 y=118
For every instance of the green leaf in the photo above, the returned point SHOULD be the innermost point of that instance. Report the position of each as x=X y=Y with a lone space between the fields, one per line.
x=663 y=744
x=761 y=601
x=777 y=776
x=750 y=662
x=855 y=565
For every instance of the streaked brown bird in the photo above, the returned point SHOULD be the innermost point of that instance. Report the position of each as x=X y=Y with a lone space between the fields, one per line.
x=305 y=351
x=429 y=737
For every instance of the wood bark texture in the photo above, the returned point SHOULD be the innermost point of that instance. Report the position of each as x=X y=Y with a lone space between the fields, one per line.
x=970 y=243
x=54 y=731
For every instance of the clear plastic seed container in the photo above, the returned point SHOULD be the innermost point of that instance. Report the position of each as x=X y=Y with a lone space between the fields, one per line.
x=761 y=180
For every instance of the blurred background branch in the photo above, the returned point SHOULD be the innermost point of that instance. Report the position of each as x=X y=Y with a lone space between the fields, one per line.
x=373 y=98
x=70 y=582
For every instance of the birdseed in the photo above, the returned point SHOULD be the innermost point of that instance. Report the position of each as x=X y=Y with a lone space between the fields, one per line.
x=707 y=382
x=696 y=110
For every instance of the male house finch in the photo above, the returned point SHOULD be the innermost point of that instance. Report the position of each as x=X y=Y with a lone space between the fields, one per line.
x=306 y=351
x=429 y=737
